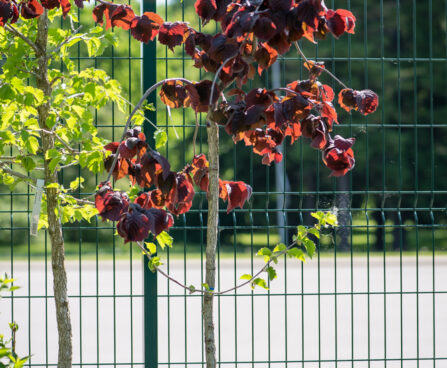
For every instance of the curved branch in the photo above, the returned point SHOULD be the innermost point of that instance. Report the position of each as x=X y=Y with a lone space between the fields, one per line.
x=319 y=67
x=213 y=86
x=203 y=291
x=136 y=108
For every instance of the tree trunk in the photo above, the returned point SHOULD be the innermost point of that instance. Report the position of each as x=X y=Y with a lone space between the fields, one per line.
x=54 y=222
x=211 y=242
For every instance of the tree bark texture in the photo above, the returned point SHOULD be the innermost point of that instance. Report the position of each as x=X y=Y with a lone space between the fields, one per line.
x=54 y=221
x=211 y=243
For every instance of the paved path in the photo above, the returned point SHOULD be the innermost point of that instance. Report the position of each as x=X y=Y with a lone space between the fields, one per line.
x=249 y=326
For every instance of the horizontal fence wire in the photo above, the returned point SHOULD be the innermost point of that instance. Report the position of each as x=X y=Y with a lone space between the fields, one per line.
x=374 y=293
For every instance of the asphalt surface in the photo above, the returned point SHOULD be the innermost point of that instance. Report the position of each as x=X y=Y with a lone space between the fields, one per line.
x=332 y=312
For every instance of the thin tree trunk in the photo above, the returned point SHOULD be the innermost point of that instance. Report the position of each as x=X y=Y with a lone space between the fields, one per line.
x=211 y=242
x=54 y=222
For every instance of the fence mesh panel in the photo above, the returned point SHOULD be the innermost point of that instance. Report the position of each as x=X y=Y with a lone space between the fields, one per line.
x=373 y=296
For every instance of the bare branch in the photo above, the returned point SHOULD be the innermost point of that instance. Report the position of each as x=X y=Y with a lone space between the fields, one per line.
x=213 y=86
x=65 y=144
x=68 y=39
x=4 y=167
x=19 y=34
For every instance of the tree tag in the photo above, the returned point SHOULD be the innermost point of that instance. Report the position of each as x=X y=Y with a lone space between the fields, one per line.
x=36 y=208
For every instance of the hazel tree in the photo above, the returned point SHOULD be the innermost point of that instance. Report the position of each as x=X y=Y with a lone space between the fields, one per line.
x=48 y=124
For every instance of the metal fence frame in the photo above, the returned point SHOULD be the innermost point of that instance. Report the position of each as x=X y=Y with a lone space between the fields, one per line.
x=270 y=224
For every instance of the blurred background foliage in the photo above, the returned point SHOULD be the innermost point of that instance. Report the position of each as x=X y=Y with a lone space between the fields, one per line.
x=395 y=198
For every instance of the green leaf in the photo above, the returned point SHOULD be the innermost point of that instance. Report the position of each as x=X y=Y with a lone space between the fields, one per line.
x=314 y=232
x=93 y=46
x=32 y=145
x=310 y=247
x=161 y=138
x=53 y=163
x=246 y=276
x=153 y=263
x=28 y=163
x=95 y=162
x=280 y=247
x=75 y=184
x=264 y=252
x=297 y=253
x=151 y=247
x=272 y=273
x=260 y=282
x=164 y=239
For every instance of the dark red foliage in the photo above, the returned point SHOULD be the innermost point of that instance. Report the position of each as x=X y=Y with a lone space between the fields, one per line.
x=264 y=28
x=338 y=156
x=222 y=48
x=241 y=22
x=146 y=27
x=50 y=4
x=173 y=94
x=199 y=95
x=121 y=168
x=162 y=161
x=110 y=204
x=181 y=195
x=290 y=110
x=340 y=21
x=135 y=224
x=265 y=143
x=365 y=101
x=235 y=192
x=199 y=169
x=116 y=15
x=265 y=56
x=153 y=168
x=152 y=199
x=8 y=12
x=133 y=146
x=315 y=69
x=206 y=9
x=280 y=43
x=112 y=146
x=30 y=9
x=313 y=127
x=172 y=34
x=65 y=6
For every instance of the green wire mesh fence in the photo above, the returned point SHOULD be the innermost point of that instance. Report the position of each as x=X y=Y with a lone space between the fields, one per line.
x=374 y=295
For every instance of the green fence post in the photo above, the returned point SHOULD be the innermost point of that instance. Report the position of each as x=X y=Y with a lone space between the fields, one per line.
x=149 y=77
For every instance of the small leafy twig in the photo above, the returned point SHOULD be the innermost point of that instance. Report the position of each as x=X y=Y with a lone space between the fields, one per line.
x=19 y=34
x=4 y=167
x=68 y=39
x=317 y=66
x=65 y=144
x=273 y=258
